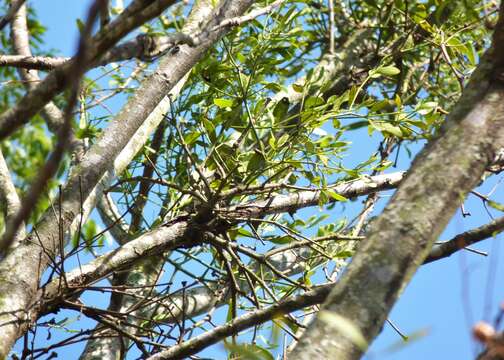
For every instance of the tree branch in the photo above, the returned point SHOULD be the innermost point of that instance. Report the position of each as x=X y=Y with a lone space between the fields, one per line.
x=173 y=235
x=295 y=303
x=301 y=199
x=402 y=236
x=20 y=284
x=447 y=248
x=52 y=115
x=9 y=199
x=146 y=271
x=13 y=9
x=198 y=300
x=32 y=62
x=112 y=219
x=138 y=12
x=253 y=318
x=51 y=166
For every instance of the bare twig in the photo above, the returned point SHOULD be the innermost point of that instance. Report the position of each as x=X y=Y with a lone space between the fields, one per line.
x=256 y=317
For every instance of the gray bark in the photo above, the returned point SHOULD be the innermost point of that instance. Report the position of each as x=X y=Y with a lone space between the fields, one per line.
x=401 y=238
x=18 y=286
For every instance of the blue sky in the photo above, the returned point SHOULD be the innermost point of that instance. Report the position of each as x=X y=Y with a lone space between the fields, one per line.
x=444 y=299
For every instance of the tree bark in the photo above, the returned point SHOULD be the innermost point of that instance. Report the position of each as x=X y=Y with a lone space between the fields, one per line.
x=402 y=236
x=20 y=269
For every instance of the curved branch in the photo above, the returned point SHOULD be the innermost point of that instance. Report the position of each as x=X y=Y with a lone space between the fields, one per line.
x=110 y=216
x=402 y=236
x=447 y=248
x=51 y=166
x=253 y=318
x=174 y=234
x=136 y=14
x=19 y=283
x=9 y=199
x=52 y=115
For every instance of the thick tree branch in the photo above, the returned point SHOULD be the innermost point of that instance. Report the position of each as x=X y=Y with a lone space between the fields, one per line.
x=143 y=47
x=51 y=166
x=198 y=300
x=98 y=160
x=291 y=261
x=30 y=62
x=9 y=199
x=8 y=195
x=173 y=235
x=301 y=199
x=146 y=271
x=292 y=304
x=403 y=235
x=13 y=9
x=137 y=13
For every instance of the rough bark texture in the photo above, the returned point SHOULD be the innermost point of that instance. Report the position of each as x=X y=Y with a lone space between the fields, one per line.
x=175 y=234
x=450 y=166
x=147 y=270
x=9 y=199
x=18 y=284
x=403 y=235
x=21 y=43
x=135 y=15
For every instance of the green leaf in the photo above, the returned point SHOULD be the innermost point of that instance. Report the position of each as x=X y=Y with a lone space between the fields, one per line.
x=288 y=321
x=333 y=194
x=281 y=109
x=426 y=107
x=356 y=125
x=387 y=70
x=223 y=103
x=256 y=162
x=387 y=128
x=89 y=132
x=80 y=25
x=345 y=254
x=297 y=88
x=190 y=138
x=470 y=53
x=495 y=205
x=408 y=340
x=314 y=101
x=282 y=141
x=280 y=240
x=323 y=198
x=249 y=351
